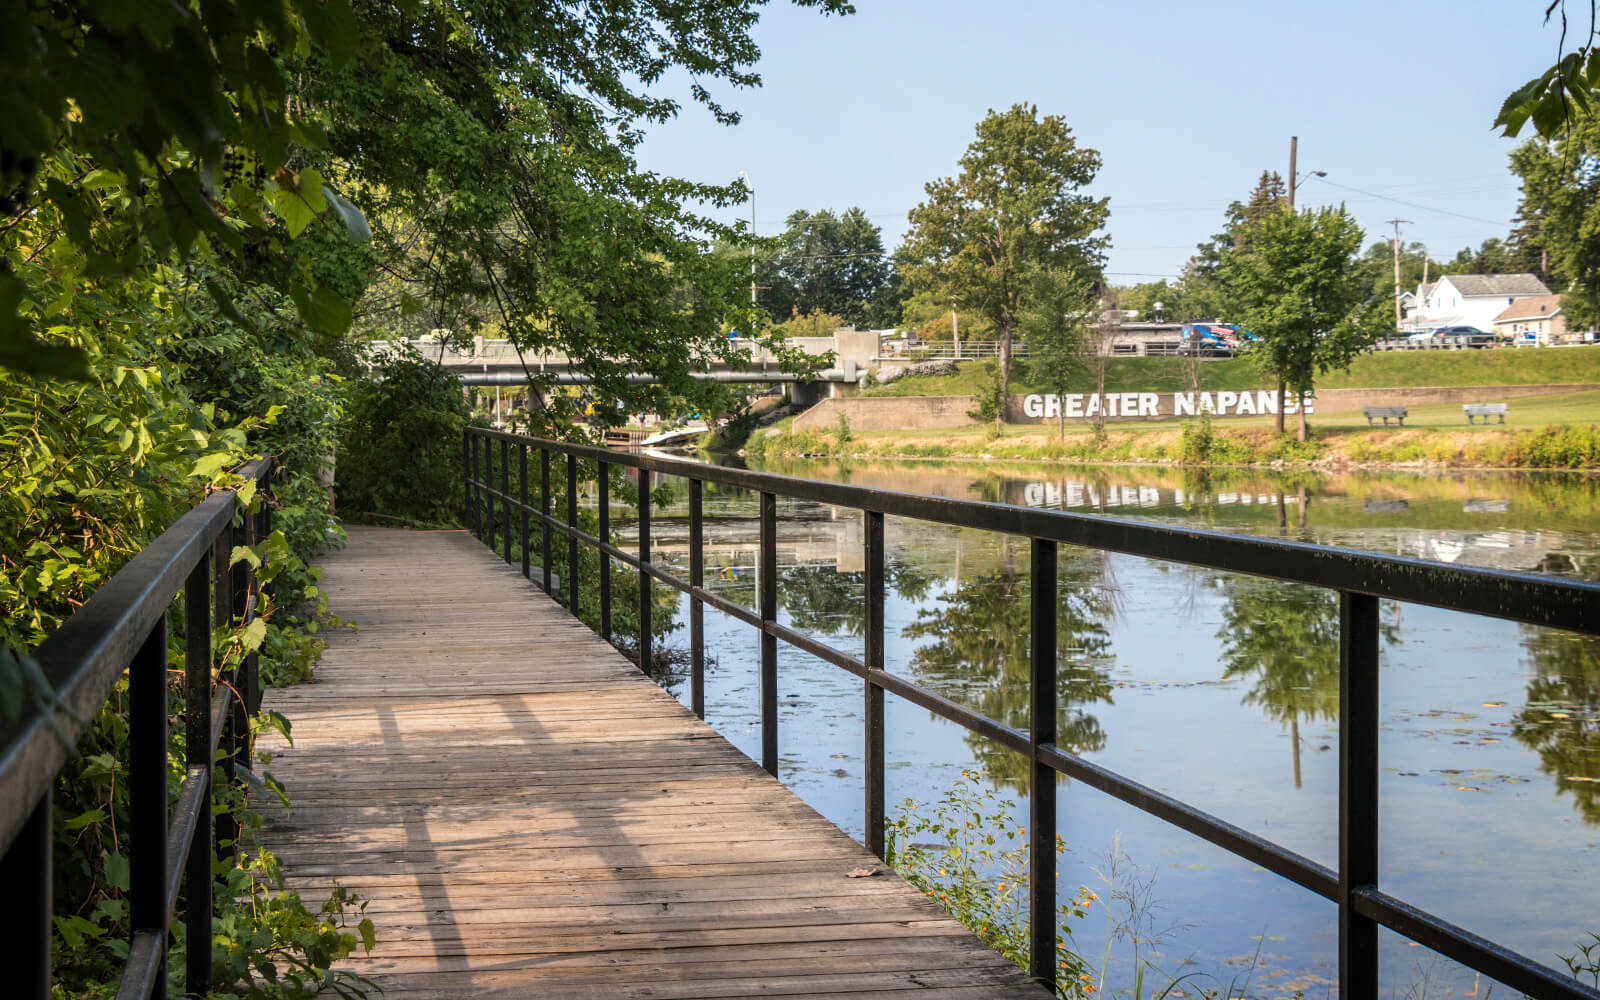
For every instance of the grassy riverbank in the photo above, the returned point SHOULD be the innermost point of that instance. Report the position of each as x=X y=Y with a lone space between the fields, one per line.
x=1397 y=369
x=1546 y=432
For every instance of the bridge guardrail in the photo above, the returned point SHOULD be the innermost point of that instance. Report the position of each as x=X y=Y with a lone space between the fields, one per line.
x=1361 y=578
x=123 y=626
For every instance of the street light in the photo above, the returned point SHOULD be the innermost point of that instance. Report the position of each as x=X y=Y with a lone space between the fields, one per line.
x=1295 y=179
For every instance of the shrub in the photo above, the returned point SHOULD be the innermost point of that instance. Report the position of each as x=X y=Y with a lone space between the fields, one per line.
x=399 y=451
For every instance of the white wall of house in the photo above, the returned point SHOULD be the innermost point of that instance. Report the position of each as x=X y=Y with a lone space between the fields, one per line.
x=1444 y=305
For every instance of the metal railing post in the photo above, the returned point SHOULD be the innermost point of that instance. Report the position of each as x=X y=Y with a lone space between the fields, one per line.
x=644 y=578
x=505 y=497
x=603 y=482
x=25 y=921
x=872 y=751
x=476 y=515
x=697 y=612
x=522 y=501
x=466 y=478
x=1042 y=782
x=767 y=582
x=572 y=540
x=224 y=832
x=544 y=508
x=147 y=781
x=239 y=677
x=1358 y=790
x=198 y=883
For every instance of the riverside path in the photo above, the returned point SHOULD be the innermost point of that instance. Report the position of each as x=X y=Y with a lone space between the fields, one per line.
x=531 y=816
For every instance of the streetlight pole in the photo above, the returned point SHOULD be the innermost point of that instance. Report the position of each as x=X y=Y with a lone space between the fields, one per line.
x=955 y=327
x=746 y=177
x=1294 y=148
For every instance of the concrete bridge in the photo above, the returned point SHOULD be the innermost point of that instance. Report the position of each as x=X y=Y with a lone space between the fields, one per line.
x=498 y=363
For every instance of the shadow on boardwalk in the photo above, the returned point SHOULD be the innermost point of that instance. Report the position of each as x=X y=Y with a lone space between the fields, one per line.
x=531 y=816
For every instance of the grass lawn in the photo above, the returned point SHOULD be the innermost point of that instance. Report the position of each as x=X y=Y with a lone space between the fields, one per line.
x=1560 y=430
x=1500 y=366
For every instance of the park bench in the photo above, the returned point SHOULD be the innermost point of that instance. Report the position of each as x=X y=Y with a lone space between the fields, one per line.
x=1485 y=410
x=1374 y=412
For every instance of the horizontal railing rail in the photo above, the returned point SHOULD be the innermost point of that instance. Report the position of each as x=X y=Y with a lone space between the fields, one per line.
x=123 y=626
x=1360 y=578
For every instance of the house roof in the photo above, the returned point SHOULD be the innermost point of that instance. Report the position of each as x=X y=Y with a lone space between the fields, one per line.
x=1533 y=307
x=1470 y=285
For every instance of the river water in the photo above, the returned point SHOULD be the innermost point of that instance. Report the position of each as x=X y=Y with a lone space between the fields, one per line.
x=1220 y=690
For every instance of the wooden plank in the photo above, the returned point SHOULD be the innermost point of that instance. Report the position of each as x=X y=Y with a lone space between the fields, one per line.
x=530 y=815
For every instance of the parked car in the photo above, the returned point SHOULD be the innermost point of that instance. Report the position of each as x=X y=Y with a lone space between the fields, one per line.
x=1473 y=336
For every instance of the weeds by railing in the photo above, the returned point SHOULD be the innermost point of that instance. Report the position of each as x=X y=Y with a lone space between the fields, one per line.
x=124 y=627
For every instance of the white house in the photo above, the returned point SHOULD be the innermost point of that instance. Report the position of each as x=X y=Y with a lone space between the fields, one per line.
x=1470 y=299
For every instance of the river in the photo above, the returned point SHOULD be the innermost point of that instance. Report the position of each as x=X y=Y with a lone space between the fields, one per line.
x=1220 y=690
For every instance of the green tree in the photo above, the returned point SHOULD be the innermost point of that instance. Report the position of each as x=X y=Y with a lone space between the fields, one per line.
x=1015 y=208
x=1492 y=256
x=1055 y=326
x=1561 y=191
x=829 y=263
x=1298 y=287
x=1205 y=293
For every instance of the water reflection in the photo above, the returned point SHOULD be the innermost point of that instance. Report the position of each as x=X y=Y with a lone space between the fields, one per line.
x=829 y=601
x=1191 y=681
x=1284 y=639
x=1561 y=720
x=974 y=647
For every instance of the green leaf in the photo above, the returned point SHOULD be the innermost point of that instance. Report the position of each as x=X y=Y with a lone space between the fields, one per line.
x=83 y=819
x=116 y=870
x=208 y=466
x=253 y=634
x=323 y=310
x=312 y=189
x=293 y=210
x=368 y=936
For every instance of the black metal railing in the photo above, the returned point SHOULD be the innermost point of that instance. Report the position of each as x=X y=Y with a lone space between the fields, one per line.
x=124 y=627
x=1361 y=578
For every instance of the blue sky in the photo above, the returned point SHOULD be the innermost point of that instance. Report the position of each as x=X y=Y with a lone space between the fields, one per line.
x=1186 y=102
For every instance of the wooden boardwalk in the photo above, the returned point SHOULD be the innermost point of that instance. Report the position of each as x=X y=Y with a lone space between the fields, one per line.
x=530 y=816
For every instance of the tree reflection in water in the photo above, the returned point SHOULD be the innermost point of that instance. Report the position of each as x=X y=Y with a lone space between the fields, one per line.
x=821 y=600
x=1285 y=636
x=979 y=655
x=1561 y=720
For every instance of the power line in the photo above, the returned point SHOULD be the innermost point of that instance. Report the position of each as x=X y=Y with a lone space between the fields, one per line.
x=1412 y=204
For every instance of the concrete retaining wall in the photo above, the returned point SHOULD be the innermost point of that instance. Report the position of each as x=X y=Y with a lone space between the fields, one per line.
x=883 y=413
x=918 y=413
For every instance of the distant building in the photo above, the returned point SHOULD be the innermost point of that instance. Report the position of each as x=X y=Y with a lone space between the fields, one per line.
x=1539 y=315
x=1470 y=299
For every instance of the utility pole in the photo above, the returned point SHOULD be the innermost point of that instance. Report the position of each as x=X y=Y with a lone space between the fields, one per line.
x=752 y=254
x=955 y=327
x=1294 y=148
x=1397 y=223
